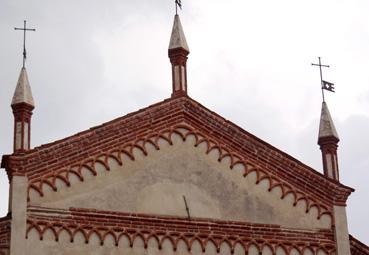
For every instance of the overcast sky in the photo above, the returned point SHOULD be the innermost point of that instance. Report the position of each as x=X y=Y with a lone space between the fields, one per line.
x=91 y=61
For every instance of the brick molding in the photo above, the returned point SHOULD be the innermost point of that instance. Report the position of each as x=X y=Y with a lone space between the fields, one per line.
x=133 y=227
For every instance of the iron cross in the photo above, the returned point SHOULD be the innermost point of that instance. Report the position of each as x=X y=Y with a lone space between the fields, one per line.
x=24 y=39
x=321 y=75
x=178 y=4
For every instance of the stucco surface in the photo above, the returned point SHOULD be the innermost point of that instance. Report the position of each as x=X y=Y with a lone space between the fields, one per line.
x=342 y=235
x=156 y=184
x=18 y=207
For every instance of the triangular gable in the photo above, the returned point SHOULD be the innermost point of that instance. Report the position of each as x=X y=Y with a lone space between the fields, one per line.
x=43 y=164
x=180 y=168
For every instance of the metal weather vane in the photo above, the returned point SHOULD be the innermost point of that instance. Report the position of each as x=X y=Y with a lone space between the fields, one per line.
x=325 y=85
x=24 y=29
x=178 y=4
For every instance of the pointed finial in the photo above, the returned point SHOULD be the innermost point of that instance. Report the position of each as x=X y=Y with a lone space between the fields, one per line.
x=23 y=93
x=178 y=39
x=22 y=105
x=328 y=142
x=178 y=52
x=326 y=126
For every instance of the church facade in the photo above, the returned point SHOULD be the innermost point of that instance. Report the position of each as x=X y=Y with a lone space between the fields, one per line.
x=172 y=178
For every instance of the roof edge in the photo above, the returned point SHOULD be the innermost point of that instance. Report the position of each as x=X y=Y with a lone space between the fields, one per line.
x=357 y=246
x=285 y=154
x=339 y=194
x=86 y=131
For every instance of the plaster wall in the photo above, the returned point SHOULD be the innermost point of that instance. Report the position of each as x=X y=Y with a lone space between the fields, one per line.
x=342 y=235
x=64 y=247
x=18 y=209
x=156 y=184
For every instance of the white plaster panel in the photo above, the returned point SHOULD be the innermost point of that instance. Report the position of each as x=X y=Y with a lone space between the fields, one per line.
x=253 y=250
x=280 y=251
x=182 y=248
x=18 y=135
x=210 y=248
x=267 y=251
x=26 y=126
x=341 y=228
x=225 y=249
x=239 y=249
x=18 y=210
x=156 y=184
x=196 y=248
x=176 y=78
x=321 y=252
x=328 y=158
x=183 y=78
x=308 y=251
x=294 y=252
x=336 y=165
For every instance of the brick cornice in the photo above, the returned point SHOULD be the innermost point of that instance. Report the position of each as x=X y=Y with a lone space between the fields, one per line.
x=357 y=247
x=174 y=229
x=148 y=124
x=267 y=156
x=22 y=107
x=5 y=224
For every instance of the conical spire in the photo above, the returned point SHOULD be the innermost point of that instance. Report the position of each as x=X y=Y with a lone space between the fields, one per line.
x=22 y=105
x=178 y=39
x=23 y=93
x=326 y=127
x=328 y=142
x=178 y=52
